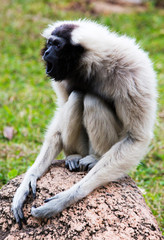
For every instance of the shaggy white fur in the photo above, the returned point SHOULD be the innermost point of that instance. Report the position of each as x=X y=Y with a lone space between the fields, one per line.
x=86 y=126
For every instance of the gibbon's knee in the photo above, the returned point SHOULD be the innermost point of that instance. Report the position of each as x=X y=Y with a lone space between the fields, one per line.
x=72 y=130
x=74 y=104
x=72 y=116
x=101 y=124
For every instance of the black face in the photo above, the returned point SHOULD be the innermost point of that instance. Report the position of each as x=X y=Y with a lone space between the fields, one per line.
x=60 y=54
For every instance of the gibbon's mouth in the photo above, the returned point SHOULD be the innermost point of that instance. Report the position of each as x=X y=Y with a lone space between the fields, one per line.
x=49 y=67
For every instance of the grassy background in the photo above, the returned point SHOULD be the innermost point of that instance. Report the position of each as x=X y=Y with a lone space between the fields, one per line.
x=27 y=101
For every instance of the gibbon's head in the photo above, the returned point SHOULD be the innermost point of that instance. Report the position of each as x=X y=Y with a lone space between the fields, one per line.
x=67 y=45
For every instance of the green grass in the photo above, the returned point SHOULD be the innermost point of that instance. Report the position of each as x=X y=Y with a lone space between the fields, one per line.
x=27 y=101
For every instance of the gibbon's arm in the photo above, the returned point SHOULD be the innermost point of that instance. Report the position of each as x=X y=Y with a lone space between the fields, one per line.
x=112 y=166
x=50 y=149
x=60 y=131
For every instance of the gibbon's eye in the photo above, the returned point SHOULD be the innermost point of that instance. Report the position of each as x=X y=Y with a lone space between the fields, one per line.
x=57 y=43
x=49 y=42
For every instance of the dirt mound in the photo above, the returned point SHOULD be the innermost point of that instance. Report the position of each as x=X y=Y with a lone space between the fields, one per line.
x=116 y=211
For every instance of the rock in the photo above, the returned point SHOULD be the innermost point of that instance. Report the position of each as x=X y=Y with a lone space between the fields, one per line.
x=103 y=7
x=133 y=2
x=114 y=212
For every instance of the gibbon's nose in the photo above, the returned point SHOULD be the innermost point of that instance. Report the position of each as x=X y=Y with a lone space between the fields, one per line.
x=47 y=54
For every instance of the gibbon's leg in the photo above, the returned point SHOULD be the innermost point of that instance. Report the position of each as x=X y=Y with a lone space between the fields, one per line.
x=53 y=144
x=74 y=137
x=113 y=165
x=102 y=128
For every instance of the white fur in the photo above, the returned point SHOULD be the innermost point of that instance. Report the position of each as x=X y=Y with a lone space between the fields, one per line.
x=125 y=74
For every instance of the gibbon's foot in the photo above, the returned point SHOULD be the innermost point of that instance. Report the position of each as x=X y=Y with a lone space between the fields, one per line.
x=87 y=163
x=72 y=162
x=77 y=163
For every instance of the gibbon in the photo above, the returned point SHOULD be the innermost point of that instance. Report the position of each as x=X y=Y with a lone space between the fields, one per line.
x=106 y=91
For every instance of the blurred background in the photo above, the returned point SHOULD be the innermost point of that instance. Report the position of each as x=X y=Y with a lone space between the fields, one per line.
x=27 y=101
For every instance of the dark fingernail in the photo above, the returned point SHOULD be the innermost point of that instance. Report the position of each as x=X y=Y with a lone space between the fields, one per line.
x=34 y=206
x=20 y=224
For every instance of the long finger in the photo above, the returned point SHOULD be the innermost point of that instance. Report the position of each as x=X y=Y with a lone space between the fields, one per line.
x=33 y=187
x=21 y=215
x=17 y=218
